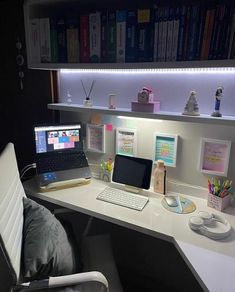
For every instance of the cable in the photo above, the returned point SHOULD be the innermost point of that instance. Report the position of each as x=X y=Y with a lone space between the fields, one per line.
x=26 y=168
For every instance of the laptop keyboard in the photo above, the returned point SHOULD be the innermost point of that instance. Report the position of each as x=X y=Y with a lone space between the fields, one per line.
x=62 y=162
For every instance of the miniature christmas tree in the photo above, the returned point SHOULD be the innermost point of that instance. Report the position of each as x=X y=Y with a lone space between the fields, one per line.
x=191 y=108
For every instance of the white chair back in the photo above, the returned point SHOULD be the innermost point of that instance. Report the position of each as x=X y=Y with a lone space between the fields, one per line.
x=11 y=207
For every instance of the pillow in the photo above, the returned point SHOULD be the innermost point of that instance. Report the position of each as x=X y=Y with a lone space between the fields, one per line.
x=47 y=250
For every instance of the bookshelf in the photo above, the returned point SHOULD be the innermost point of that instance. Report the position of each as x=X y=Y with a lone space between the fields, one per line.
x=38 y=9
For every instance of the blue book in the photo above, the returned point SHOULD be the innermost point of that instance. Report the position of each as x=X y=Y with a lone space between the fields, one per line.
x=131 y=36
x=61 y=40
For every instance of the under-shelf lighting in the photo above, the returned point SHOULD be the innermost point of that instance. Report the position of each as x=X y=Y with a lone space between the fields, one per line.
x=137 y=118
x=213 y=70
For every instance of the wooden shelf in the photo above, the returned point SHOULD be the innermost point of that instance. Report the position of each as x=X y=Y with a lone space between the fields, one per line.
x=170 y=116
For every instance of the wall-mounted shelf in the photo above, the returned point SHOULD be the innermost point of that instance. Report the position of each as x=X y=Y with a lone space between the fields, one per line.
x=145 y=65
x=170 y=116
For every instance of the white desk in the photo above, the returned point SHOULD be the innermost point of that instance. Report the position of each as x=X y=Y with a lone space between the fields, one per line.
x=212 y=262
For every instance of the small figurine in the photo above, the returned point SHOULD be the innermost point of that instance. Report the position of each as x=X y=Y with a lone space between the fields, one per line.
x=69 y=97
x=145 y=95
x=218 y=97
x=88 y=101
x=191 y=108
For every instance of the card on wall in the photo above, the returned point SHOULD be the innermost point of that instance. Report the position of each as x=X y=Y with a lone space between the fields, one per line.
x=126 y=141
x=95 y=138
x=165 y=148
x=214 y=156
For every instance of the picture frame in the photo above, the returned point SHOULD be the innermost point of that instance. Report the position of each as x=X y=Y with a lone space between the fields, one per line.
x=214 y=156
x=95 y=138
x=126 y=141
x=165 y=148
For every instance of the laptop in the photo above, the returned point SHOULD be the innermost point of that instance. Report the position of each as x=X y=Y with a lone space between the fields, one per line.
x=60 y=159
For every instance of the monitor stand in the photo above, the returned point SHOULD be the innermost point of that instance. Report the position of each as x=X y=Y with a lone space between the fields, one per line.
x=132 y=189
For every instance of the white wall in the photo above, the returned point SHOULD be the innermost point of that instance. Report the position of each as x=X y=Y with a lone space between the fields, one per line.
x=173 y=90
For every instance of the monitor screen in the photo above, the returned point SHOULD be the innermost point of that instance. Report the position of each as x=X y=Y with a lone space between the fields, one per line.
x=132 y=171
x=58 y=138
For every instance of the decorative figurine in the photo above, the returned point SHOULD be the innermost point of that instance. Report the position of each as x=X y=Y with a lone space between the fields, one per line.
x=145 y=95
x=218 y=97
x=88 y=101
x=191 y=108
x=69 y=97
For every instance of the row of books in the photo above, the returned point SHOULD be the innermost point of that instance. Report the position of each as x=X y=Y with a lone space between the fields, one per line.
x=187 y=32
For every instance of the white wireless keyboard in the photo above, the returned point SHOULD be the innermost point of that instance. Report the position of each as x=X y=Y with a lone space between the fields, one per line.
x=123 y=198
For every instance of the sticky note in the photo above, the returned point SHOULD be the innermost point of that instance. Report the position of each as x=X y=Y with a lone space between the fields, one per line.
x=109 y=127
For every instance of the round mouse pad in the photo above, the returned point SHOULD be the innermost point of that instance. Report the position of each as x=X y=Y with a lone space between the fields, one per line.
x=187 y=206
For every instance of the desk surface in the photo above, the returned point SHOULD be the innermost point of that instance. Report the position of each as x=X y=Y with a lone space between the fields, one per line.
x=212 y=262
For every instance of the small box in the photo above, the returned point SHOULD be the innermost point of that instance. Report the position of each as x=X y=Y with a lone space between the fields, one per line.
x=150 y=107
x=218 y=203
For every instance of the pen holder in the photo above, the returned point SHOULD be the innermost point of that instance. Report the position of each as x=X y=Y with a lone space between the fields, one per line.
x=106 y=175
x=218 y=203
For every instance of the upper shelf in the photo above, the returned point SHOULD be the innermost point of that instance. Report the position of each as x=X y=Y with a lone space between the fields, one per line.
x=146 y=65
x=170 y=116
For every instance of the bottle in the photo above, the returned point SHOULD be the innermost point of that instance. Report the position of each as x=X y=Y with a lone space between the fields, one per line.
x=160 y=178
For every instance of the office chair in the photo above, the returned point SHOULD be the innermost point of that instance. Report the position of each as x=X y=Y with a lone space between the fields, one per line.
x=14 y=250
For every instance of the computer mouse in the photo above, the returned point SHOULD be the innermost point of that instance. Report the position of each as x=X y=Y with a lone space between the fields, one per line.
x=171 y=201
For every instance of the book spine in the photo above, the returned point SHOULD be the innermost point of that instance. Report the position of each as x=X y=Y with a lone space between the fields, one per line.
x=121 y=36
x=205 y=34
x=200 y=32
x=84 y=39
x=94 y=32
x=145 y=35
x=182 y=21
x=72 y=40
x=131 y=36
x=45 y=41
x=164 y=34
x=186 y=32
x=104 y=36
x=232 y=34
x=209 y=34
x=170 y=23
x=160 y=34
x=61 y=40
x=34 y=40
x=221 y=42
x=156 y=35
x=54 y=45
x=176 y=23
x=193 y=32
x=111 y=41
x=215 y=31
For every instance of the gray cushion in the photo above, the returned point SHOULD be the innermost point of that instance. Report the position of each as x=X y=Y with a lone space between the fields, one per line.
x=47 y=250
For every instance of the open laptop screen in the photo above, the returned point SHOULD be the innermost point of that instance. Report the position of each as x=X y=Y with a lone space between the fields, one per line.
x=58 y=138
x=132 y=171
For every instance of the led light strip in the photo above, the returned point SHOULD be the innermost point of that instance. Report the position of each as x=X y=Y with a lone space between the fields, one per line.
x=137 y=118
x=212 y=70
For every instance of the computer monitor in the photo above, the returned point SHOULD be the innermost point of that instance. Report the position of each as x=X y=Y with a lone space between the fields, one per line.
x=58 y=138
x=132 y=171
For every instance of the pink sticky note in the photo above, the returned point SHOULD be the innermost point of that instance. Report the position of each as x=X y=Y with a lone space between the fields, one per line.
x=109 y=127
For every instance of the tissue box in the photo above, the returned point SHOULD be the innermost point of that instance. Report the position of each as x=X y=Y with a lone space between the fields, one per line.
x=218 y=203
x=150 y=107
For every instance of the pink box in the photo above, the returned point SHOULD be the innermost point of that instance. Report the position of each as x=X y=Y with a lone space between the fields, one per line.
x=218 y=203
x=150 y=107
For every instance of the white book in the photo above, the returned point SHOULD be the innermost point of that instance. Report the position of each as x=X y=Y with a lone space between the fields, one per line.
x=175 y=40
x=45 y=40
x=95 y=37
x=164 y=41
x=34 y=41
x=121 y=36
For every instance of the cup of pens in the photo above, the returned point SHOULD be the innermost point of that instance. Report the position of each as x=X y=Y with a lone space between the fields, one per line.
x=219 y=196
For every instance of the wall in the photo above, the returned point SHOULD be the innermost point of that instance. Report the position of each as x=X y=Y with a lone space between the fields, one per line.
x=189 y=133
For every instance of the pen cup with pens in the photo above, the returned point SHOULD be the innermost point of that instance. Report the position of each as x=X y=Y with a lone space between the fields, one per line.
x=106 y=170
x=219 y=196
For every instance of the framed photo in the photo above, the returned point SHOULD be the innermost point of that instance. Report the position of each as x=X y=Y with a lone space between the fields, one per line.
x=95 y=138
x=126 y=141
x=214 y=156
x=165 y=148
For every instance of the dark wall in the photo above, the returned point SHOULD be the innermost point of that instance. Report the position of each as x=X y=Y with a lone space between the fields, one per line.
x=19 y=109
